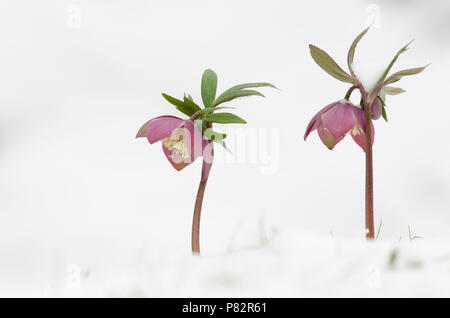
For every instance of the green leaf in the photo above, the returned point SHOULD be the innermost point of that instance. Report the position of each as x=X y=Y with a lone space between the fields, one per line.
x=214 y=135
x=384 y=114
x=230 y=95
x=186 y=108
x=250 y=85
x=329 y=65
x=218 y=136
x=351 y=51
x=224 y=118
x=206 y=111
x=188 y=101
x=239 y=91
x=390 y=90
x=209 y=87
x=386 y=72
x=398 y=75
x=172 y=100
x=383 y=109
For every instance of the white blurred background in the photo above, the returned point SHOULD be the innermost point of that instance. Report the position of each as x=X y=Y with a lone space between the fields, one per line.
x=78 y=79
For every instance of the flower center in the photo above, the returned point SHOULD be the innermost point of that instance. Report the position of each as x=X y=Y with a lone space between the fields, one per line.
x=177 y=143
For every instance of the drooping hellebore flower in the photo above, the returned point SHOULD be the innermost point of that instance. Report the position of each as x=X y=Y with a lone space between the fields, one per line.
x=334 y=121
x=184 y=140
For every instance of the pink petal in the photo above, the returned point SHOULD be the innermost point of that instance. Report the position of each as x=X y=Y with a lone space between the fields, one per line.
x=196 y=138
x=326 y=137
x=358 y=134
x=314 y=123
x=176 y=161
x=142 y=132
x=161 y=127
x=376 y=109
x=339 y=120
x=195 y=144
x=208 y=155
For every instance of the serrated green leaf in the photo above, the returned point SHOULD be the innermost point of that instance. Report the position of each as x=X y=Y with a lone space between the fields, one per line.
x=209 y=87
x=186 y=108
x=329 y=65
x=389 y=90
x=386 y=71
x=398 y=75
x=224 y=118
x=351 y=51
x=230 y=95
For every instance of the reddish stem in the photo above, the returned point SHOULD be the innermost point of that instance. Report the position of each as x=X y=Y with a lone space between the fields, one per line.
x=198 y=210
x=370 y=231
x=349 y=92
x=196 y=218
x=367 y=105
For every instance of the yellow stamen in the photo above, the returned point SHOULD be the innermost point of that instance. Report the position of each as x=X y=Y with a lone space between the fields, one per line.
x=356 y=130
x=177 y=142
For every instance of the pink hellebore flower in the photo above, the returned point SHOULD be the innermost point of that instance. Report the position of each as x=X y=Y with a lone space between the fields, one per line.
x=182 y=141
x=334 y=121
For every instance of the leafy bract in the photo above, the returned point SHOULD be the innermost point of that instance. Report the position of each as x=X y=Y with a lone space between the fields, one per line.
x=329 y=65
x=250 y=85
x=380 y=81
x=210 y=110
x=390 y=90
x=224 y=118
x=233 y=94
x=398 y=75
x=351 y=51
x=209 y=87
x=187 y=107
x=383 y=108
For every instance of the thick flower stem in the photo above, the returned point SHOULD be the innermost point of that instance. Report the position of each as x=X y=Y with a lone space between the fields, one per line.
x=370 y=231
x=196 y=218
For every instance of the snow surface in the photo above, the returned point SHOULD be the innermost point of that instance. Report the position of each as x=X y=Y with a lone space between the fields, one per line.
x=274 y=265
